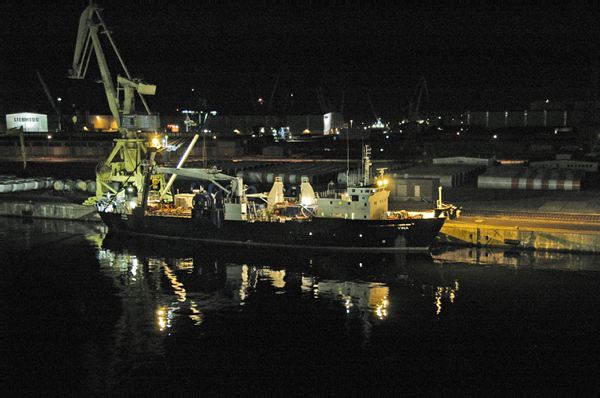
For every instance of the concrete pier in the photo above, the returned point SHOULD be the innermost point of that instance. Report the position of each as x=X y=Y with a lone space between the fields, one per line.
x=566 y=221
x=521 y=235
x=546 y=221
x=61 y=211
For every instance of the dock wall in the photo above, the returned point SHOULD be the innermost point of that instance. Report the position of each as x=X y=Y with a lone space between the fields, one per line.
x=511 y=237
x=62 y=211
x=93 y=151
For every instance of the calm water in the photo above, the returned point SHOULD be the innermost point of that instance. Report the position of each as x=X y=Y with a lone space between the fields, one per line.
x=90 y=312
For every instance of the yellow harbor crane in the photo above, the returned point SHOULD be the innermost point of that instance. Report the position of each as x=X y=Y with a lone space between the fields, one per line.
x=124 y=167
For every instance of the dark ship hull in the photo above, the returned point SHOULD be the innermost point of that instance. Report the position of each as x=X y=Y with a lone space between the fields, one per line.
x=410 y=235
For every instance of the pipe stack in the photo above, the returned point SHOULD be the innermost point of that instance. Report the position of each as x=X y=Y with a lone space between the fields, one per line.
x=9 y=183
x=507 y=177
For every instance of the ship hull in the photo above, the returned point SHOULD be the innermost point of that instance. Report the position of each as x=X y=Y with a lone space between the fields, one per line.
x=410 y=235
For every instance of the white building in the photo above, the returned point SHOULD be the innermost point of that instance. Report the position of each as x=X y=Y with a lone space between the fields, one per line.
x=29 y=121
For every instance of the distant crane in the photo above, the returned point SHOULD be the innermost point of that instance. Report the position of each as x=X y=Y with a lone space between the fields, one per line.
x=377 y=118
x=413 y=114
x=271 y=98
x=262 y=102
x=323 y=100
x=54 y=106
x=415 y=103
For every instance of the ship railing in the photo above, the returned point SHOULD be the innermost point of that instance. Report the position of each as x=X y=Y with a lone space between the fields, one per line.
x=292 y=200
x=332 y=193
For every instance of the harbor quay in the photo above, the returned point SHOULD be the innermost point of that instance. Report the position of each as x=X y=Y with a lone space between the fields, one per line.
x=525 y=220
x=563 y=222
x=558 y=236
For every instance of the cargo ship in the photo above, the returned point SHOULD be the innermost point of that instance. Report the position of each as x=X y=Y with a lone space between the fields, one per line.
x=355 y=218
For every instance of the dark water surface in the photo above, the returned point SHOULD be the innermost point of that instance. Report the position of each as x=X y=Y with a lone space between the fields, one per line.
x=93 y=313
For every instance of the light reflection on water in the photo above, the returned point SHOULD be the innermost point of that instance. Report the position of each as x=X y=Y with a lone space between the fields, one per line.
x=521 y=258
x=190 y=317
x=190 y=286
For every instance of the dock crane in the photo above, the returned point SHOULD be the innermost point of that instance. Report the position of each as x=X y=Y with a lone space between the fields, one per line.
x=123 y=168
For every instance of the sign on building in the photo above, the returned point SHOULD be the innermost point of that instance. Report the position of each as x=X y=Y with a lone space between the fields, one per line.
x=29 y=121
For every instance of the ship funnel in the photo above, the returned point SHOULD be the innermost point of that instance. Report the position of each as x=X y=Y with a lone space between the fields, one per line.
x=307 y=194
x=276 y=194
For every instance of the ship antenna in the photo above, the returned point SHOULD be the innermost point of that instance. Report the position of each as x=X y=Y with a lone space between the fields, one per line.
x=348 y=157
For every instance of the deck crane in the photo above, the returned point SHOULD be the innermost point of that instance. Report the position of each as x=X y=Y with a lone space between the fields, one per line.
x=123 y=168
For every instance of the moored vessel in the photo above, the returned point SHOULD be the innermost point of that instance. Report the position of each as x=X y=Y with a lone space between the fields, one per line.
x=355 y=218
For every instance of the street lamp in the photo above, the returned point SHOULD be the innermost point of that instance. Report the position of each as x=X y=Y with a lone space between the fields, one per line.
x=59 y=114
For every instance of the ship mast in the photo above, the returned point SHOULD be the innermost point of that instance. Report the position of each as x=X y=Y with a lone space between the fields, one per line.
x=366 y=165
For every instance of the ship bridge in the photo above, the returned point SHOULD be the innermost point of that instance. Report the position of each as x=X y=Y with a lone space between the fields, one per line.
x=366 y=203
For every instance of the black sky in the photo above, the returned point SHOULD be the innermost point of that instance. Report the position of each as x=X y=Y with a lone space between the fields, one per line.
x=471 y=58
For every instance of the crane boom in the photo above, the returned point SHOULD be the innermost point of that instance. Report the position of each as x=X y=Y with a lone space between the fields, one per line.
x=89 y=27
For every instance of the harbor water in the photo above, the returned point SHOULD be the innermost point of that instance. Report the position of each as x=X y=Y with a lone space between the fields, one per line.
x=89 y=312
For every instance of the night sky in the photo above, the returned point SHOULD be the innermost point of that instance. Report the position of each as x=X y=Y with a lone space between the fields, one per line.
x=368 y=60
